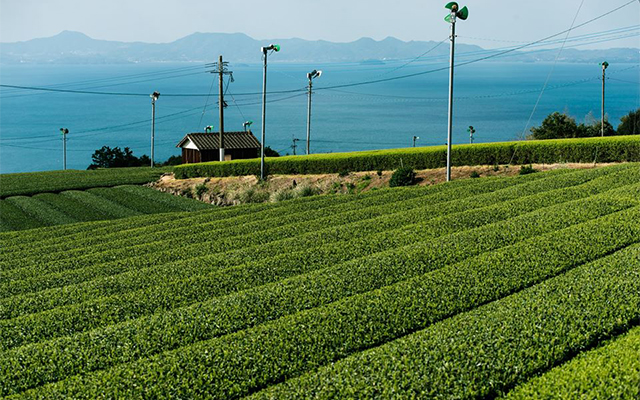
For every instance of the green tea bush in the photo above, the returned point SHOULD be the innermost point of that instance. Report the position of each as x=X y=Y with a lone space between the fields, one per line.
x=270 y=353
x=583 y=150
x=57 y=181
x=463 y=289
x=487 y=350
x=91 y=205
x=609 y=372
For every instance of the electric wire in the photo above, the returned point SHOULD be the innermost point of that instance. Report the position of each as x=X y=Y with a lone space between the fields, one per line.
x=120 y=77
x=206 y=102
x=553 y=67
x=507 y=51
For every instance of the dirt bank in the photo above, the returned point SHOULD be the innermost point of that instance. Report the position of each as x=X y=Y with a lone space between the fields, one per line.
x=247 y=189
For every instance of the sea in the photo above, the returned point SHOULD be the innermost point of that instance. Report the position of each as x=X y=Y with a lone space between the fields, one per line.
x=355 y=106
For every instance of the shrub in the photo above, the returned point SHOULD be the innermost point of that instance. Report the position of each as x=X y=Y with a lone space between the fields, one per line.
x=252 y=195
x=306 y=191
x=475 y=174
x=527 y=169
x=201 y=189
x=187 y=192
x=281 y=195
x=404 y=176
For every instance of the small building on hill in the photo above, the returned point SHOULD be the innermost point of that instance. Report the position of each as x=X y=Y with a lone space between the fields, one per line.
x=202 y=147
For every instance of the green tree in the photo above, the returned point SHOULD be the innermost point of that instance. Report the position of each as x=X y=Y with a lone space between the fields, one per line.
x=556 y=126
x=269 y=152
x=106 y=157
x=630 y=123
x=595 y=129
x=173 y=160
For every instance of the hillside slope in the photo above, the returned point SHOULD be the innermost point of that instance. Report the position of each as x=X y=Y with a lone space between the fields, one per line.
x=458 y=290
x=47 y=209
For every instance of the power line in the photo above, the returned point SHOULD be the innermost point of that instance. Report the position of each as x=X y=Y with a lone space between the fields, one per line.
x=501 y=53
x=121 y=77
x=109 y=85
x=44 y=89
x=478 y=59
x=535 y=107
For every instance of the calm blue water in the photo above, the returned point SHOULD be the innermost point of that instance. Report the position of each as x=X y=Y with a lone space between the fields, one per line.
x=496 y=98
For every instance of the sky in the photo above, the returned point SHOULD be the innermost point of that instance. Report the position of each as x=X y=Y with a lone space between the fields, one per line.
x=492 y=23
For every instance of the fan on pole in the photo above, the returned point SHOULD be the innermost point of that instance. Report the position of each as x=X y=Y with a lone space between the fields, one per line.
x=455 y=13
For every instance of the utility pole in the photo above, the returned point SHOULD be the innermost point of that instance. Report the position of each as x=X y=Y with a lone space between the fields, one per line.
x=311 y=76
x=414 y=140
x=451 y=18
x=64 y=132
x=154 y=96
x=221 y=99
x=220 y=68
x=605 y=65
x=294 y=145
x=265 y=51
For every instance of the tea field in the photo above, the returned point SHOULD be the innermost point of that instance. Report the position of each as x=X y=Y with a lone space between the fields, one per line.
x=521 y=287
x=100 y=203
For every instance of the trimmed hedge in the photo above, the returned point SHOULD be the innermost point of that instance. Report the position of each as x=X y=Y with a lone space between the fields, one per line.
x=318 y=250
x=238 y=364
x=22 y=276
x=95 y=204
x=584 y=150
x=609 y=372
x=244 y=309
x=57 y=181
x=477 y=354
x=40 y=211
x=12 y=218
x=15 y=242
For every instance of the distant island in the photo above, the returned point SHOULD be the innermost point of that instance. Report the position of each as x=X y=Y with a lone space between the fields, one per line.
x=77 y=48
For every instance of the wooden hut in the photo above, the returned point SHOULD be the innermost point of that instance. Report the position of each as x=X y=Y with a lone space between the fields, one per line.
x=202 y=147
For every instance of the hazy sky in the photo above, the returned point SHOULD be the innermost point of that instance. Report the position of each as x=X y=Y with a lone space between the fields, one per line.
x=333 y=20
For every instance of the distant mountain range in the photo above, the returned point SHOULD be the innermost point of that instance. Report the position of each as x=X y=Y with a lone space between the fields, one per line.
x=77 y=48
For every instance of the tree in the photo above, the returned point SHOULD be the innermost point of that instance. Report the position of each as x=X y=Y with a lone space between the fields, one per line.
x=562 y=126
x=556 y=126
x=630 y=123
x=269 y=152
x=595 y=129
x=173 y=160
x=106 y=157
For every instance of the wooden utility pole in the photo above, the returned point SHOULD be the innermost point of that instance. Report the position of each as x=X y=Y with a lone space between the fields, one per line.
x=294 y=145
x=220 y=68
